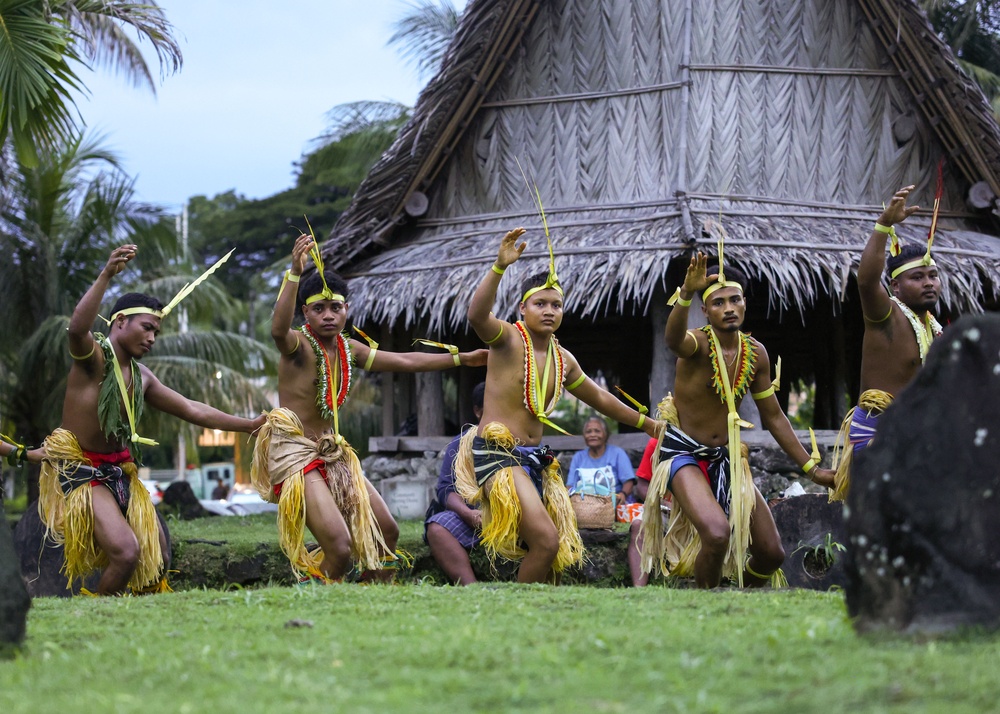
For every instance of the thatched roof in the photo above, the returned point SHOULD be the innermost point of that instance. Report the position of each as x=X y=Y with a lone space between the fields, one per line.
x=639 y=121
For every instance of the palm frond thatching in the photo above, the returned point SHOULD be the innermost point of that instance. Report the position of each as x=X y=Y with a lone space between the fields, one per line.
x=790 y=122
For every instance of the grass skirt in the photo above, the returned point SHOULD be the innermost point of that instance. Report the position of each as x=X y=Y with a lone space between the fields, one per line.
x=69 y=518
x=871 y=400
x=281 y=454
x=501 y=509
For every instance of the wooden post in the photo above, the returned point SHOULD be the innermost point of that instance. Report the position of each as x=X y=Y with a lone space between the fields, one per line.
x=430 y=404
x=388 y=392
x=664 y=367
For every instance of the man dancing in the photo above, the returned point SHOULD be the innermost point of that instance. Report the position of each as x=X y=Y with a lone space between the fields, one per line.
x=91 y=499
x=718 y=515
x=301 y=462
x=899 y=329
x=517 y=486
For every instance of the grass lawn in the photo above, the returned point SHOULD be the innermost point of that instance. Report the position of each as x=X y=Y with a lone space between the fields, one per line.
x=486 y=648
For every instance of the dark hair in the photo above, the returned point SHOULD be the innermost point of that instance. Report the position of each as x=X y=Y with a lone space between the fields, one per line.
x=536 y=280
x=313 y=284
x=136 y=300
x=910 y=251
x=732 y=273
x=478 y=395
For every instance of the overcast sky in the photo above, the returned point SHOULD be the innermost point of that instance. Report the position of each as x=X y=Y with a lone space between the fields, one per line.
x=257 y=80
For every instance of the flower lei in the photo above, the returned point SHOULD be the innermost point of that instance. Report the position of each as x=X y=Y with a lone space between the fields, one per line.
x=744 y=370
x=534 y=389
x=325 y=384
x=925 y=332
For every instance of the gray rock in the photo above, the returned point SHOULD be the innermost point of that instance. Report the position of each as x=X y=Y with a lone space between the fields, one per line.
x=14 y=600
x=811 y=530
x=924 y=503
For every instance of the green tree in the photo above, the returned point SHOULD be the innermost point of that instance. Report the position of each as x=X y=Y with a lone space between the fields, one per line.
x=972 y=30
x=42 y=40
x=58 y=223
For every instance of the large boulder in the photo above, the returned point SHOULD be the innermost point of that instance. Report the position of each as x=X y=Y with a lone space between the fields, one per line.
x=924 y=504
x=14 y=600
x=41 y=559
x=179 y=498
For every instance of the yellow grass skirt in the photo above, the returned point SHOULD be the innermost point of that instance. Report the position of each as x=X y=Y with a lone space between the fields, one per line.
x=281 y=454
x=674 y=552
x=69 y=519
x=501 y=509
x=843 y=451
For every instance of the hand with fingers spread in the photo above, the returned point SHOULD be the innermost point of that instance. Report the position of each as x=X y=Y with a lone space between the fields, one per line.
x=300 y=253
x=119 y=257
x=510 y=251
x=897 y=211
x=696 y=279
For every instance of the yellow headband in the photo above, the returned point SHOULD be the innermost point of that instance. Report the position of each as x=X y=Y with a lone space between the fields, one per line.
x=326 y=293
x=924 y=262
x=181 y=294
x=137 y=311
x=552 y=281
x=718 y=285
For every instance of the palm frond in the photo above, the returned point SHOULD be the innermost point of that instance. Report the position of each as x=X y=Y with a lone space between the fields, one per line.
x=424 y=33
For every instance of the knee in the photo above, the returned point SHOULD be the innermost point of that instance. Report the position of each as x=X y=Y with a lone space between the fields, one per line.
x=715 y=536
x=339 y=551
x=124 y=552
x=437 y=537
x=545 y=542
x=390 y=533
x=769 y=557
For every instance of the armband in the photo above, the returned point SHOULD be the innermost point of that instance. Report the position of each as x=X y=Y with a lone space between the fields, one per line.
x=291 y=277
x=499 y=334
x=371 y=358
x=809 y=465
x=883 y=229
x=497 y=269
x=757 y=396
x=642 y=420
x=86 y=356
x=577 y=382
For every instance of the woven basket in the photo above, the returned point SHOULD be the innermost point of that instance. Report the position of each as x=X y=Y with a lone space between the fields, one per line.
x=593 y=511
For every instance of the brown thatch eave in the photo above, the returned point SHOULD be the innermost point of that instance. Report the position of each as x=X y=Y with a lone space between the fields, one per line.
x=620 y=264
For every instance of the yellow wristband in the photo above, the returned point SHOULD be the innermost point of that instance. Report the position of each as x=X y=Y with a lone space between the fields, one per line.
x=458 y=360
x=497 y=269
x=371 y=358
x=292 y=278
x=642 y=420
x=684 y=303
x=883 y=229
x=809 y=465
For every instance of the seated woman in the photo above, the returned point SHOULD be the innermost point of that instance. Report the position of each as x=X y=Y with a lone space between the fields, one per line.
x=600 y=463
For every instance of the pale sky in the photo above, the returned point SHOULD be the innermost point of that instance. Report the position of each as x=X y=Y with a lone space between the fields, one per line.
x=257 y=80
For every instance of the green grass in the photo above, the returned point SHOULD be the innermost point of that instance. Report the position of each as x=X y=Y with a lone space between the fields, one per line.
x=486 y=648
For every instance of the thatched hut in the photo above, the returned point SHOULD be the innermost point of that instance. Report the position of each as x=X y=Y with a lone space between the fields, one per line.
x=789 y=121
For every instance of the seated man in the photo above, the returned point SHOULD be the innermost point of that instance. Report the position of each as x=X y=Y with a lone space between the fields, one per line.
x=453 y=529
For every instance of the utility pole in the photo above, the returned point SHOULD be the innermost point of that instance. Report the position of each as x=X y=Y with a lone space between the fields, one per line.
x=181 y=225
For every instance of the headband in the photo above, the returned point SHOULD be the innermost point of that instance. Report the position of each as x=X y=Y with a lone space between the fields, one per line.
x=181 y=294
x=927 y=260
x=719 y=284
x=552 y=281
x=326 y=293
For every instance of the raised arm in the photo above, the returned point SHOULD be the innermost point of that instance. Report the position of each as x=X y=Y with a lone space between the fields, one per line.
x=486 y=325
x=679 y=340
x=161 y=397
x=875 y=302
x=285 y=338
x=81 y=341
x=414 y=361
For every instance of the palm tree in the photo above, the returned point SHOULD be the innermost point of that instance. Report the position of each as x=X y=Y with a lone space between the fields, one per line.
x=425 y=32
x=42 y=40
x=972 y=30
x=58 y=222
